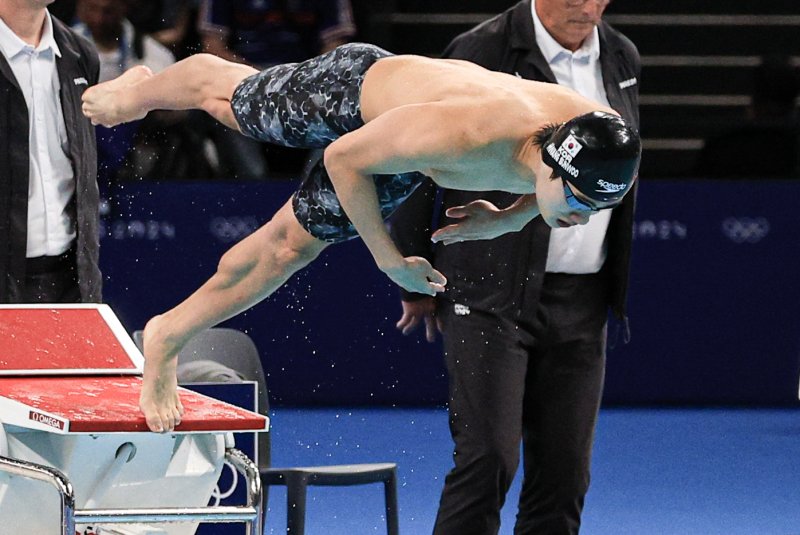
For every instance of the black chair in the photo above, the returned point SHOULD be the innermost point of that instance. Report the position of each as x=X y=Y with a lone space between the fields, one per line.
x=235 y=350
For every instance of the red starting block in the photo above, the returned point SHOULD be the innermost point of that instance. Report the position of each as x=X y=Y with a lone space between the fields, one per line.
x=53 y=340
x=70 y=378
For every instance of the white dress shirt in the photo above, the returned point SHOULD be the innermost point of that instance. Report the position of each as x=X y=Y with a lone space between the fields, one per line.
x=581 y=248
x=51 y=230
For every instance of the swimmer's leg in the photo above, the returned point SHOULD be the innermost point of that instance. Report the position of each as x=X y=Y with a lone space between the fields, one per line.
x=201 y=81
x=249 y=272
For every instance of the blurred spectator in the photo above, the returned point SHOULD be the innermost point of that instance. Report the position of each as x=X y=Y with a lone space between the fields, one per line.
x=767 y=145
x=64 y=10
x=181 y=34
x=263 y=33
x=150 y=16
x=120 y=46
x=165 y=20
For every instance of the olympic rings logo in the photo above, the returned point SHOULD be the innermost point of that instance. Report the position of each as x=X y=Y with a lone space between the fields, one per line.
x=137 y=229
x=233 y=229
x=661 y=230
x=745 y=229
x=218 y=495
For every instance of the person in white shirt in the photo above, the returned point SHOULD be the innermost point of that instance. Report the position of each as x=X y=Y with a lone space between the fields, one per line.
x=48 y=188
x=524 y=315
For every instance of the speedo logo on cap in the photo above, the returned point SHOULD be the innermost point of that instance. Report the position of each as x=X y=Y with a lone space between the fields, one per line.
x=610 y=187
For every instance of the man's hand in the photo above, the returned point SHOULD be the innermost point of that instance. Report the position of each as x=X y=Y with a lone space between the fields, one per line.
x=420 y=310
x=480 y=220
x=416 y=275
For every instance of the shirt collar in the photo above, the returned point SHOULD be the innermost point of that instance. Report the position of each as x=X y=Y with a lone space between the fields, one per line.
x=11 y=44
x=48 y=37
x=553 y=51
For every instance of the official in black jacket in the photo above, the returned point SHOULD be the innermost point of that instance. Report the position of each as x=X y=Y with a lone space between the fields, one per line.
x=27 y=274
x=524 y=348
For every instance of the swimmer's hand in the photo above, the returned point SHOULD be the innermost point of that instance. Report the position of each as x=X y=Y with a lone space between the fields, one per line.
x=416 y=275
x=480 y=220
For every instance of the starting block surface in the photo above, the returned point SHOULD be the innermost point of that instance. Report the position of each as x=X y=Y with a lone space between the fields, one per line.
x=65 y=340
x=89 y=404
x=74 y=369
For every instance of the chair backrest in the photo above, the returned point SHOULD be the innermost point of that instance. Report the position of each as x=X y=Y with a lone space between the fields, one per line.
x=236 y=350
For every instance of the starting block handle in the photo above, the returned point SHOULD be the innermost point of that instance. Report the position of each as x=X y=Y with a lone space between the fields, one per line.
x=249 y=514
x=124 y=454
x=48 y=475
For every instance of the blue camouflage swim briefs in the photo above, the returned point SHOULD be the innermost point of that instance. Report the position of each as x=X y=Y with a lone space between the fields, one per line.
x=310 y=105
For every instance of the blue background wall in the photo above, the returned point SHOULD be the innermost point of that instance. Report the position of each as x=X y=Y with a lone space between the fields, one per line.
x=713 y=300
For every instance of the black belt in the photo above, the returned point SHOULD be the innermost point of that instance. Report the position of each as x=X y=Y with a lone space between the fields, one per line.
x=50 y=264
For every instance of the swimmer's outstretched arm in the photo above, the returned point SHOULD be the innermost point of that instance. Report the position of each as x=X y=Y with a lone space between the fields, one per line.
x=201 y=81
x=404 y=139
x=482 y=220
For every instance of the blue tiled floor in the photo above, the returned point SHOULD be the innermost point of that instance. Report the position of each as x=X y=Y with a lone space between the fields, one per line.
x=670 y=472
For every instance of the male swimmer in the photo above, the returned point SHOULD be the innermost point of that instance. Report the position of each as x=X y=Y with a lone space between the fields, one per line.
x=385 y=122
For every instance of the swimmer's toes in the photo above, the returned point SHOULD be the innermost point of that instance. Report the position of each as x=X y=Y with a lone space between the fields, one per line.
x=154 y=423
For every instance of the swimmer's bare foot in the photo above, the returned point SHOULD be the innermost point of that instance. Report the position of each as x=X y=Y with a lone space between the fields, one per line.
x=109 y=104
x=159 y=400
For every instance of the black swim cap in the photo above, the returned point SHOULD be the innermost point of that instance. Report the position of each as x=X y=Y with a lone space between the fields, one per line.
x=598 y=153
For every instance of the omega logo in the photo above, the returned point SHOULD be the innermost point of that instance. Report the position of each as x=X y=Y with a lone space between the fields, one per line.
x=45 y=419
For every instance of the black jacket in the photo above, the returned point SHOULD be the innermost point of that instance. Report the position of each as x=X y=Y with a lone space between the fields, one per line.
x=504 y=275
x=78 y=68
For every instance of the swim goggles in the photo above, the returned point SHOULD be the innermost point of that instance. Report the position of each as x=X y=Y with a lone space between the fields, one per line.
x=575 y=203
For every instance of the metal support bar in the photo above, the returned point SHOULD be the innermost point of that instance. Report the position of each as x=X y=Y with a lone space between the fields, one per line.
x=245 y=466
x=48 y=475
x=166 y=515
x=249 y=514
x=124 y=454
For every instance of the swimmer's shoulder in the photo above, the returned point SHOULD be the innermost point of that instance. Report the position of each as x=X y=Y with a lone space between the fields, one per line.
x=393 y=64
x=491 y=119
x=560 y=103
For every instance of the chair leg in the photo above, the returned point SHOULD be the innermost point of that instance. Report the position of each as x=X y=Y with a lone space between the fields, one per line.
x=390 y=489
x=296 y=487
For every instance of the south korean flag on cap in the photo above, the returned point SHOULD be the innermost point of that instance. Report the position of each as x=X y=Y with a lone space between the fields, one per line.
x=571 y=146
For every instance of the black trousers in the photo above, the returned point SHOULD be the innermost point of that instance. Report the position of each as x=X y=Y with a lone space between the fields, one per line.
x=52 y=279
x=535 y=380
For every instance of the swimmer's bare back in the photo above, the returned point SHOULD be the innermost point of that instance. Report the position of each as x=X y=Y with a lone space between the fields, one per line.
x=407 y=79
